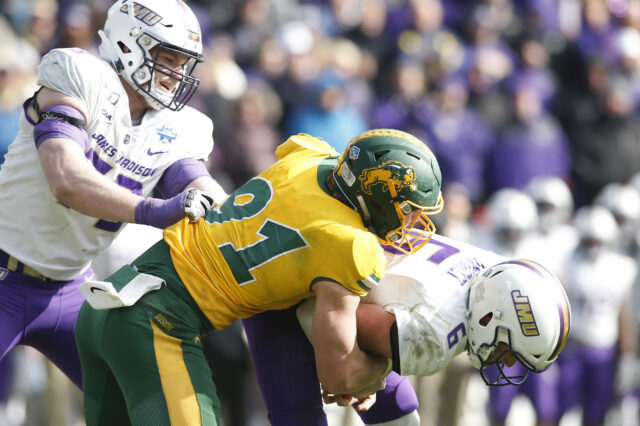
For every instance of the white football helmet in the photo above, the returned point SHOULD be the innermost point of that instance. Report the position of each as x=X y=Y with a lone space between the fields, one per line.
x=553 y=199
x=622 y=200
x=132 y=29
x=517 y=310
x=512 y=209
x=597 y=229
x=512 y=216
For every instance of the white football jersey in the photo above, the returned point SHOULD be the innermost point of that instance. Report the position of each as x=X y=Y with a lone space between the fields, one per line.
x=596 y=290
x=428 y=291
x=56 y=240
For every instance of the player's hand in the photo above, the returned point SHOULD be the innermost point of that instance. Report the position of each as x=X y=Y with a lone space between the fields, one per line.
x=371 y=389
x=365 y=402
x=191 y=203
x=197 y=204
x=360 y=404
x=343 y=400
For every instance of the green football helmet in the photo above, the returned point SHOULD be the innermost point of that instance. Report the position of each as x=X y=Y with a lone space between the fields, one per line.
x=393 y=180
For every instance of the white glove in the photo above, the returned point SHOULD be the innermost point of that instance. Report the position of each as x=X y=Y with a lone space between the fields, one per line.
x=198 y=204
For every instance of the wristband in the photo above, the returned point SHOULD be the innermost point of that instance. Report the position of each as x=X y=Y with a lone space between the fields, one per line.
x=161 y=213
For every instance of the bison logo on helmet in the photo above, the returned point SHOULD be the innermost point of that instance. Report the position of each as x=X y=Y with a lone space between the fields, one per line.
x=400 y=175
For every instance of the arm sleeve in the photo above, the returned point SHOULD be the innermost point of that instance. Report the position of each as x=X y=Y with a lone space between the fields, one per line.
x=178 y=175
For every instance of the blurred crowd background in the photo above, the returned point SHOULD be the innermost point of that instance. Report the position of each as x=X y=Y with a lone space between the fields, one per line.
x=531 y=107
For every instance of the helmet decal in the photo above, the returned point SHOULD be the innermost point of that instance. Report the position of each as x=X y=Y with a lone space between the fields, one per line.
x=194 y=36
x=525 y=314
x=142 y=13
x=562 y=303
x=402 y=176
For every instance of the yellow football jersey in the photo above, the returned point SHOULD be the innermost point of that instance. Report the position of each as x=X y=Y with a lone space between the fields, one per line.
x=273 y=238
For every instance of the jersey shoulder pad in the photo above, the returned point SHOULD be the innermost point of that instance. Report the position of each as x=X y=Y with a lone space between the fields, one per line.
x=302 y=141
x=74 y=72
x=359 y=255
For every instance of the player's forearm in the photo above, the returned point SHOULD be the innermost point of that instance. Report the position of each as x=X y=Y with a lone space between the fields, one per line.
x=342 y=366
x=77 y=185
x=374 y=324
x=356 y=373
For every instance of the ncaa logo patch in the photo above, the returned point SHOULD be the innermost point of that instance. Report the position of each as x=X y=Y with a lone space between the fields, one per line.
x=3 y=273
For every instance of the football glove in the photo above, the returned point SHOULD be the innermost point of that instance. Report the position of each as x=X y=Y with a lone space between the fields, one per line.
x=198 y=204
x=191 y=203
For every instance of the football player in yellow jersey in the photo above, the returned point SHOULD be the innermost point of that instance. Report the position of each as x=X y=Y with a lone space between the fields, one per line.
x=310 y=225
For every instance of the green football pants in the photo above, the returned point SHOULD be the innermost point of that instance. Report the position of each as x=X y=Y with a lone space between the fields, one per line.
x=144 y=365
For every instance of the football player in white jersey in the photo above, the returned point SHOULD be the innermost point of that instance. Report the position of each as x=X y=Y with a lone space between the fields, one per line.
x=601 y=349
x=531 y=225
x=448 y=298
x=94 y=141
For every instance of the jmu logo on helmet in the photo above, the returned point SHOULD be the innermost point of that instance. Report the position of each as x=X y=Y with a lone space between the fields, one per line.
x=402 y=176
x=525 y=315
x=142 y=13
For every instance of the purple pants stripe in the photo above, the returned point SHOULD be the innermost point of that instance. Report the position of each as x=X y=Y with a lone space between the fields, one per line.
x=42 y=315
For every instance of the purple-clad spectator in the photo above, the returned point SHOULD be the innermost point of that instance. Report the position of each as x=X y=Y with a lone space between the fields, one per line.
x=407 y=88
x=461 y=139
x=248 y=145
x=541 y=15
x=597 y=37
x=491 y=62
x=532 y=144
x=539 y=79
x=419 y=31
